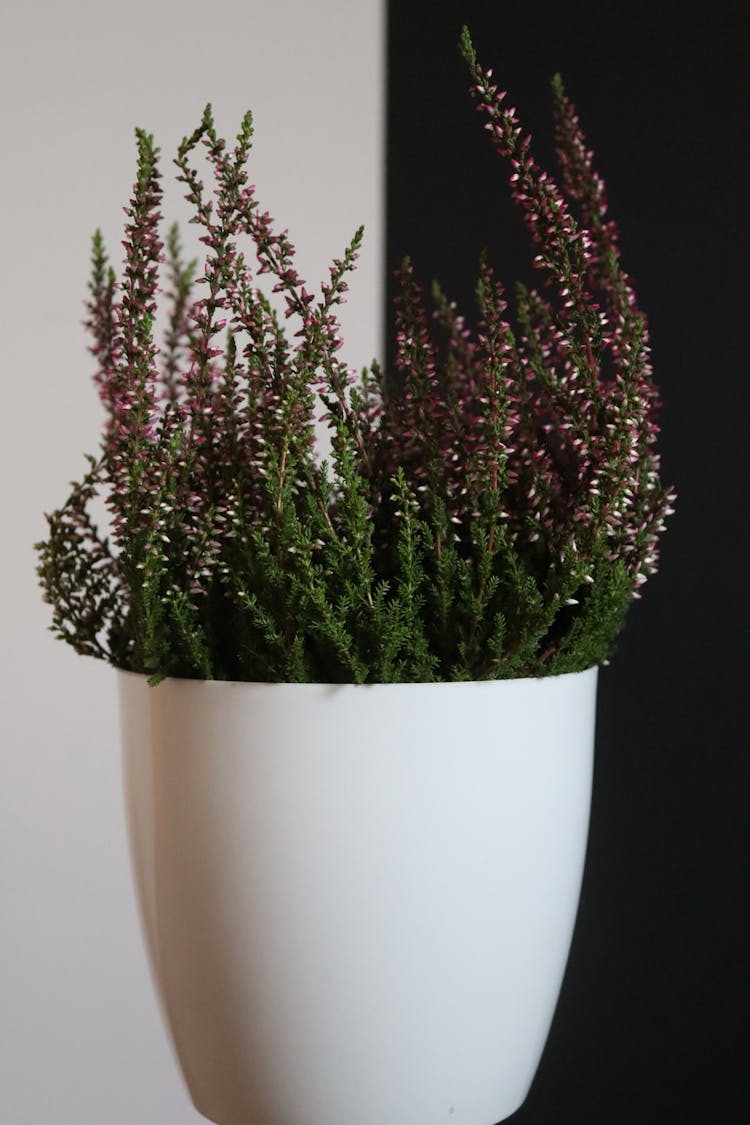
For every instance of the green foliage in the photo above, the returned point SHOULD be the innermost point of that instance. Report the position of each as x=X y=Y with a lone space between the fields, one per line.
x=490 y=506
x=79 y=576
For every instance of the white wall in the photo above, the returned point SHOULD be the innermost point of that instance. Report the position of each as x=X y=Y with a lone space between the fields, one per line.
x=80 y=1037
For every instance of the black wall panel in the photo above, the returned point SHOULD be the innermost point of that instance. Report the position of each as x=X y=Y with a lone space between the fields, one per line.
x=650 y=1027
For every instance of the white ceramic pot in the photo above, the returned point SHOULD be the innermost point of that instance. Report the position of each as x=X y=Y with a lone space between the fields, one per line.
x=358 y=901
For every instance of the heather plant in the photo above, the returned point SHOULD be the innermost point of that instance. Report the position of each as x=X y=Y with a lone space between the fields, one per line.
x=490 y=507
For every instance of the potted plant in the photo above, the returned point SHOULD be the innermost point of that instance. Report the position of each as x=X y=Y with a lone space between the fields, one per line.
x=358 y=694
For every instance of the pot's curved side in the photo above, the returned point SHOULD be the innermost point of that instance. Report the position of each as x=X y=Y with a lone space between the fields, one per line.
x=135 y=727
x=363 y=898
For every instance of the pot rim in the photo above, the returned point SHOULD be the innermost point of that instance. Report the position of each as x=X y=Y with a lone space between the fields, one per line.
x=318 y=684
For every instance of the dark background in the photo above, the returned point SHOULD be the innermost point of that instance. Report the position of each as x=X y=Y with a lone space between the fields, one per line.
x=651 y=1025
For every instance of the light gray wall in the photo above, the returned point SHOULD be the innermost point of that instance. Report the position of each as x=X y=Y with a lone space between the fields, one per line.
x=80 y=1037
